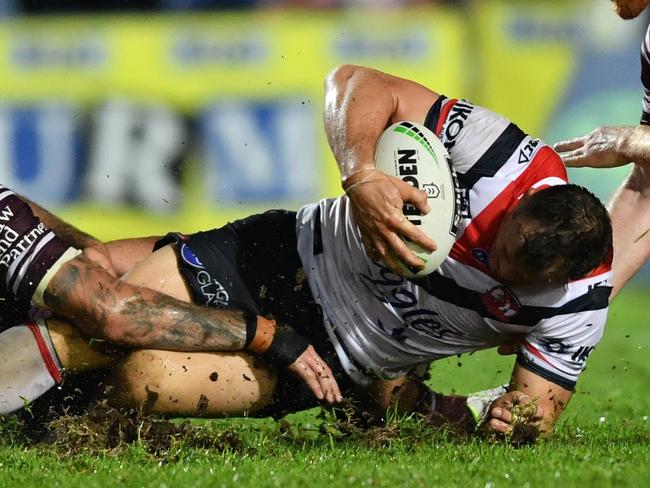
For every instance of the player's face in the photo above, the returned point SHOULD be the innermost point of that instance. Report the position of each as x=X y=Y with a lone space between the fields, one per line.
x=629 y=9
x=505 y=256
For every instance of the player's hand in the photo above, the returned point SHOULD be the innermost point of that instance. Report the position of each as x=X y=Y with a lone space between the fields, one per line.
x=377 y=202
x=601 y=148
x=510 y=409
x=508 y=348
x=98 y=253
x=311 y=369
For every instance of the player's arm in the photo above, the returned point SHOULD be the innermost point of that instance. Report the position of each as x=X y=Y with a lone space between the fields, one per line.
x=151 y=309
x=359 y=104
x=630 y=213
x=533 y=401
x=607 y=147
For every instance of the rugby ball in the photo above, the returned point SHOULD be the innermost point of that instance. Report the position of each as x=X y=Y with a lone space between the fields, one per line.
x=414 y=154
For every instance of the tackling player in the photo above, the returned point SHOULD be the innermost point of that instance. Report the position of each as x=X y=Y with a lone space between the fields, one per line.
x=607 y=147
x=39 y=265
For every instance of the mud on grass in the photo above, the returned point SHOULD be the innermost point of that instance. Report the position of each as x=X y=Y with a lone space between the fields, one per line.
x=104 y=429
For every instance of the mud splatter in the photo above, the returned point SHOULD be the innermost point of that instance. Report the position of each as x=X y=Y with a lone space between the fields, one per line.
x=202 y=405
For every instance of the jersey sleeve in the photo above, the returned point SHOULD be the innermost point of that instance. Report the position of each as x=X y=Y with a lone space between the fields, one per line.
x=475 y=137
x=558 y=347
x=645 y=77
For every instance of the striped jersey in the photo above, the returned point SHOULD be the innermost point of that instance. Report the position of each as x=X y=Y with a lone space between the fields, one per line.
x=645 y=77
x=383 y=325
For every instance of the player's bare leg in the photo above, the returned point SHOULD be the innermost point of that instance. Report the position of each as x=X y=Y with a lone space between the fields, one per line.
x=196 y=384
x=75 y=352
x=191 y=384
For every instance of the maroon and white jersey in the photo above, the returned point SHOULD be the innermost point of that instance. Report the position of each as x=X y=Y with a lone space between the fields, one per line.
x=385 y=325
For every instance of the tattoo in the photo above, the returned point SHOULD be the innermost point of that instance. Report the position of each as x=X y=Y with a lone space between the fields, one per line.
x=136 y=316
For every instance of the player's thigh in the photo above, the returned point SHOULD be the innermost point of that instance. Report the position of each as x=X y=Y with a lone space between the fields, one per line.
x=159 y=271
x=191 y=384
x=76 y=354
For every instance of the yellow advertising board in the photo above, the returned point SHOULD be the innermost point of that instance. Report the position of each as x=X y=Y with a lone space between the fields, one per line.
x=240 y=94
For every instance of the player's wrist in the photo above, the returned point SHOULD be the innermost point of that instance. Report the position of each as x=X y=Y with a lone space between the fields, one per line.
x=279 y=344
x=356 y=176
x=632 y=145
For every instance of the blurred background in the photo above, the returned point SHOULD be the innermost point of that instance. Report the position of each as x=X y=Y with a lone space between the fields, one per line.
x=136 y=117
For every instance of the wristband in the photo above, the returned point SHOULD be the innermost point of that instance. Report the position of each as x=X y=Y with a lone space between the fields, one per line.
x=287 y=346
x=259 y=333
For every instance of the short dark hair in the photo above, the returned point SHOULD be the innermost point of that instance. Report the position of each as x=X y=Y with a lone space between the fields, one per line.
x=570 y=228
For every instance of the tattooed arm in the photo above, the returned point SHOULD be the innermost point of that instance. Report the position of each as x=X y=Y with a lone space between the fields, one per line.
x=135 y=316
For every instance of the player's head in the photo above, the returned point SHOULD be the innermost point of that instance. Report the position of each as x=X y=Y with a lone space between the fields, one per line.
x=551 y=237
x=629 y=9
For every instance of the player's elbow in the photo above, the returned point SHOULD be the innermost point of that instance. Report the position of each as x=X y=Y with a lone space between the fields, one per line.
x=341 y=76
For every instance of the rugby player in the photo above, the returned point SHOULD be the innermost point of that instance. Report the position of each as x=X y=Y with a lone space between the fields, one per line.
x=607 y=147
x=526 y=266
x=46 y=267
x=531 y=262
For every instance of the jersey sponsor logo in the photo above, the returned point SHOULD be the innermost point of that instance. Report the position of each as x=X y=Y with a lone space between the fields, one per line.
x=555 y=345
x=455 y=122
x=501 y=302
x=582 y=353
x=526 y=152
x=214 y=292
x=390 y=288
x=189 y=257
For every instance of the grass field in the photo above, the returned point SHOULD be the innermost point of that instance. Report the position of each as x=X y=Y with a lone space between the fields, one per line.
x=602 y=440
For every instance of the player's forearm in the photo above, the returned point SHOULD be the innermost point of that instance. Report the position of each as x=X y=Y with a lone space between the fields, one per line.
x=65 y=231
x=358 y=105
x=630 y=212
x=634 y=144
x=139 y=317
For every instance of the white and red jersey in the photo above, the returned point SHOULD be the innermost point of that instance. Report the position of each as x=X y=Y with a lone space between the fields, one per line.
x=385 y=325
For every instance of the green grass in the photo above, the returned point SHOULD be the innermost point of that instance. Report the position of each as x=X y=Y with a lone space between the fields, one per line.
x=602 y=440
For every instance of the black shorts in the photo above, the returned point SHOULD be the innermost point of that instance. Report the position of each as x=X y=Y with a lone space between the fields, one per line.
x=253 y=265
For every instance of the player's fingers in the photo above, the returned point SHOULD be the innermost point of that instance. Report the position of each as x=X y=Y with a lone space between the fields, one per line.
x=326 y=381
x=499 y=426
x=574 y=159
x=569 y=144
x=414 y=234
x=502 y=414
x=324 y=376
x=401 y=251
x=307 y=375
x=418 y=198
